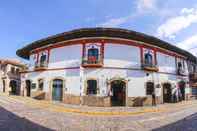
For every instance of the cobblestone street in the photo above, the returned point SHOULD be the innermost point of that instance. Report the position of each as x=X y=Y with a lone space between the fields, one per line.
x=25 y=114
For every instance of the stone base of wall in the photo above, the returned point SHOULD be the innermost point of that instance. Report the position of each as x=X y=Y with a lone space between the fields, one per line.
x=39 y=95
x=47 y=96
x=72 y=99
x=96 y=101
x=142 y=101
x=105 y=101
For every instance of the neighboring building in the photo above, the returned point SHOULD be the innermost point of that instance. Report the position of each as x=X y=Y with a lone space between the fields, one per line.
x=10 y=76
x=106 y=67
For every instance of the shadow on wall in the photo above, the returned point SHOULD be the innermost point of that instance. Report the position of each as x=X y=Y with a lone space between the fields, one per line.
x=186 y=124
x=12 y=122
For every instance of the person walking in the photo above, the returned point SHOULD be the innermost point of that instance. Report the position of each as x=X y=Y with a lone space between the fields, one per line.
x=153 y=99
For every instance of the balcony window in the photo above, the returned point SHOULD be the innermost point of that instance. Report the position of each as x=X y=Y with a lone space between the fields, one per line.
x=180 y=68
x=12 y=70
x=93 y=55
x=148 y=59
x=91 y=87
x=43 y=60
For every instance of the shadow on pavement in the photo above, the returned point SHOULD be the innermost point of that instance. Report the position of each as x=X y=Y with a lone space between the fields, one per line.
x=11 y=122
x=187 y=124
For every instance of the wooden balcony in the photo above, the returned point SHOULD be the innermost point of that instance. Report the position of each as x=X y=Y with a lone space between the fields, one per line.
x=150 y=67
x=41 y=66
x=92 y=61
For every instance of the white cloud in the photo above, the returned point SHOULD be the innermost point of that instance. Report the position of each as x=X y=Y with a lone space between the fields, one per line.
x=189 y=44
x=173 y=25
x=143 y=5
x=114 y=22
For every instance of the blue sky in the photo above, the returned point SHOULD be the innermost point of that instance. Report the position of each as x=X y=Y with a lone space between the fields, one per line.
x=23 y=21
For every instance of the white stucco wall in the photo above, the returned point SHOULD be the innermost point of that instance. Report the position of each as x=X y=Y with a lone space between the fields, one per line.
x=68 y=56
x=166 y=63
x=116 y=55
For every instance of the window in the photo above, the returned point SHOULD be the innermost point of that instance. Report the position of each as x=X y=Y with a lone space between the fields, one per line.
x=93 y=55
x=179 y=65
x=17 y=71
x=91 y=87
x=43 y=60
x=12 y=70
x=33 y=86
x=148 y=60
x=40 y=84
x=149 y=88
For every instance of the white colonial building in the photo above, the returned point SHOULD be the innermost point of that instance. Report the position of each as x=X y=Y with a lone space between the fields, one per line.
x=10 y=78
x=106 y=67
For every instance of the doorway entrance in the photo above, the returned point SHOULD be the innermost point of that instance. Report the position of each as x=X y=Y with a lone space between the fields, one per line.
x=118 y=88
x=13 y=86
x=57 y=90
x=28 y=88
x=167 y=93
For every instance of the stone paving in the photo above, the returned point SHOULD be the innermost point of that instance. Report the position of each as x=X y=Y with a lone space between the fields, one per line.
x=25 y=114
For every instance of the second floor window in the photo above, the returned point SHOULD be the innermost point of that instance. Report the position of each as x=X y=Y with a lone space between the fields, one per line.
x=43 y=60
x=148 y=59
x=180 y=65
x=93 y=55
x=12 y=70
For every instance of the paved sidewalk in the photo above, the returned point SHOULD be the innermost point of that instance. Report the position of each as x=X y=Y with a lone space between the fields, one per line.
x=22 y=114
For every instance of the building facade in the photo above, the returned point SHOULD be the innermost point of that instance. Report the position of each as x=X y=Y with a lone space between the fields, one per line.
x=10 y=76
x=106 y=67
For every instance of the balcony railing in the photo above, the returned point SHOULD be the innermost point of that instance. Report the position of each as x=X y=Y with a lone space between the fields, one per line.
x=150 y=67
x=180 y=71
x=41 y=65
x=92 y=61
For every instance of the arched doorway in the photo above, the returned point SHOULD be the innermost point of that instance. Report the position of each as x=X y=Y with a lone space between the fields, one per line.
x=3 y=85
x=182 y=90
x=28 y=88
x=118 y=89
x=167 y=93
x=57 y=90
x=13 y=86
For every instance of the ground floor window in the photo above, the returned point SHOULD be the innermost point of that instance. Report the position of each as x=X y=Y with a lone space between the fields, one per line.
x=40 y=84
x=149 y=88
x=91 y=87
